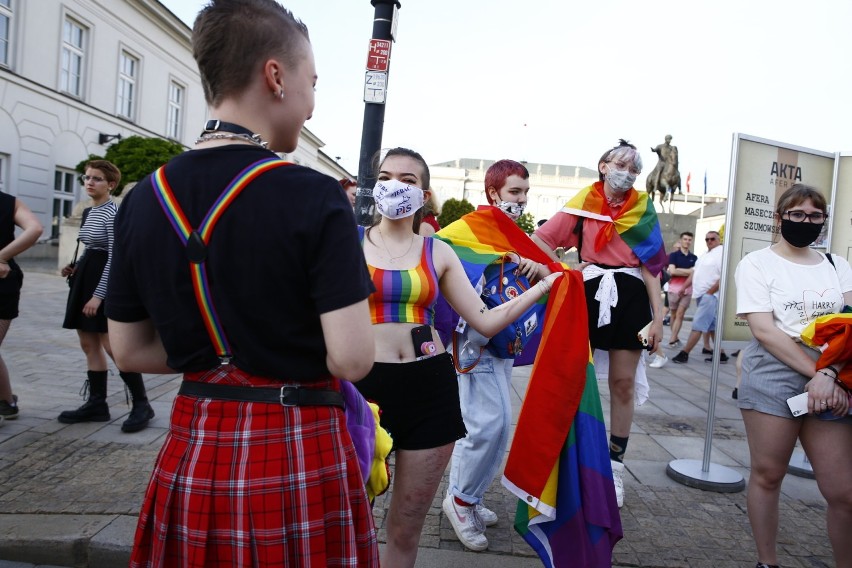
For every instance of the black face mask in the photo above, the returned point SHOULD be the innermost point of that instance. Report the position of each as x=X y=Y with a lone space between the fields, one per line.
x=800 y=235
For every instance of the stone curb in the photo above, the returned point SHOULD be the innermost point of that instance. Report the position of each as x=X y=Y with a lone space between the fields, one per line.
x=97 y=541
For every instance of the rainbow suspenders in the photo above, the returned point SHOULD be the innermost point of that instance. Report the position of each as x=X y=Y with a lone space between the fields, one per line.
x=196 y=241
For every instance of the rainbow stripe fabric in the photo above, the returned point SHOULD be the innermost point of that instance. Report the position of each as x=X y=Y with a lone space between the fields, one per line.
x=833 y=334
x=558 y=464
x=479 y=239
x=487 y=234
x=636 y=223
x=405 y=295
x=198 y=240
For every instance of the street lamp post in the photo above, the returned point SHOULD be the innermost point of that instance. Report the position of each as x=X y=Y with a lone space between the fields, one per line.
x=375 y=92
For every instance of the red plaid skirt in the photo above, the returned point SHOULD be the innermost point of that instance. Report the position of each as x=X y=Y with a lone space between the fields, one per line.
x=255 y=484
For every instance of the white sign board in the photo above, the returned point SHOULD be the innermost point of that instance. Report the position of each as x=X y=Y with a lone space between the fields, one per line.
x=375 y=87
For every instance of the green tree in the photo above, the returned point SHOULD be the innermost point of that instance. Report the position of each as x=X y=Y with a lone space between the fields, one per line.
x=453 y=210
x=136 y=157
x=526 y=223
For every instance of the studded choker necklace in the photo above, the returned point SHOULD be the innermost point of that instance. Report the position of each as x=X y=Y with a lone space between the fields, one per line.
x=220 y=130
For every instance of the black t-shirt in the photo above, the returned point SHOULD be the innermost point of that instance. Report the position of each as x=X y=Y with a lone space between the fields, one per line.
x=284 y=252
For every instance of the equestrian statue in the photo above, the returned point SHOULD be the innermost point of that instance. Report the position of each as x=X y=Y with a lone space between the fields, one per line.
x=665 y=176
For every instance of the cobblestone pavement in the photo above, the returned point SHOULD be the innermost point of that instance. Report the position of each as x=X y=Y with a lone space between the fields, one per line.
x=94 y=472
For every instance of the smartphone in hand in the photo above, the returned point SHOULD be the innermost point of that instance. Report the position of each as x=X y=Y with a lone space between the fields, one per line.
x=643 y=335
x=798 y=404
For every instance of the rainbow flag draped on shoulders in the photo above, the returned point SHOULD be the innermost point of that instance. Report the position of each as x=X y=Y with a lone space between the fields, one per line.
x=558 y=464
x=636 y=223
x=479 y=239
x=487 y=234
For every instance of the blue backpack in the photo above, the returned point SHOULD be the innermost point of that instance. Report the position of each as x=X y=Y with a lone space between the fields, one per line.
x=501 y=286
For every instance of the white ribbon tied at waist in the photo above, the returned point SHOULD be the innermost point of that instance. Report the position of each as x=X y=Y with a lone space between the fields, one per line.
x=607 y=294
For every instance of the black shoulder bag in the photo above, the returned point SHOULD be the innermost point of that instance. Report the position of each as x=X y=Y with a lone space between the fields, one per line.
x=70 y=278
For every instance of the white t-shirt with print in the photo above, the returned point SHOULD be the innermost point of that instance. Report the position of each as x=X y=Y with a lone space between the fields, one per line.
x=796 y=294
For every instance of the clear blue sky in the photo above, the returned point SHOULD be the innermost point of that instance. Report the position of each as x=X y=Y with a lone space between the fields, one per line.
x=559 y=82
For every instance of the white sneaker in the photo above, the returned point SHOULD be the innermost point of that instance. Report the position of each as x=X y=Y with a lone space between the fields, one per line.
x=618 y=479
x=466 y=524
x=488 y=516
x=658 y=361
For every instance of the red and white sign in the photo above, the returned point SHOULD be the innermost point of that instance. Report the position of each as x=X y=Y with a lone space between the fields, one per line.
x=378 y=58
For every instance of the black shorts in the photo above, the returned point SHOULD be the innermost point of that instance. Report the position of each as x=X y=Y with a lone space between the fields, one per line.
x=418 y=401
x=632 y=313
x=10 y=292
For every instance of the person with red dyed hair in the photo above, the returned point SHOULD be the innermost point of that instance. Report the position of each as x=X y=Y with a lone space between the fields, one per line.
x=431 y=211
x=349 y=187
x=484 y=380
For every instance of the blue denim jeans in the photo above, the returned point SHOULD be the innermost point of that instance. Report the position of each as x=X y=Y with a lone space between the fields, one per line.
x=487 y=412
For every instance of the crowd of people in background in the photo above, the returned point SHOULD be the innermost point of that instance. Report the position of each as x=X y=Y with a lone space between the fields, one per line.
x=262 y=406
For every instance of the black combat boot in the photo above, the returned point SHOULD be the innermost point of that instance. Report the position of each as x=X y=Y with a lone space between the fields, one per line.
x=95 y=408
x=141 y=412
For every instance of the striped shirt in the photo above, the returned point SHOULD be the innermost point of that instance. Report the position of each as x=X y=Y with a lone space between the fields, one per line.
x=97 y=234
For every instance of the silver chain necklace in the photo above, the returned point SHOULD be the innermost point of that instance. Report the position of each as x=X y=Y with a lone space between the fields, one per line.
x=392 y=258
x=253 y=138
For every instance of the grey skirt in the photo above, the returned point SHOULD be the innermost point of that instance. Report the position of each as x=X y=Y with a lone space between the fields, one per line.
x=767 y=383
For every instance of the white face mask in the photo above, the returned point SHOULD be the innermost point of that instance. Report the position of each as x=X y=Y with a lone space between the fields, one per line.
x=619 y=180
x=512 y=209
x=396 y=199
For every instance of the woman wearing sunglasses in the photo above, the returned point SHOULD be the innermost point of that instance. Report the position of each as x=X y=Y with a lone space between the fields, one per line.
x=780 y=290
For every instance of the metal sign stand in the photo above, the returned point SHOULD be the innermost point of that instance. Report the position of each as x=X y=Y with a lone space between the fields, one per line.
x=800 y=465
x=703 y=474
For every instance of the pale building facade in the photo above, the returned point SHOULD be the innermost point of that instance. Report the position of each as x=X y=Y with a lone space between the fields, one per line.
x=75 y=73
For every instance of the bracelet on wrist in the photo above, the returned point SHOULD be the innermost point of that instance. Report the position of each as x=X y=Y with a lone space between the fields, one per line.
x=834 y=376
x=836 y=372
x=827 y=375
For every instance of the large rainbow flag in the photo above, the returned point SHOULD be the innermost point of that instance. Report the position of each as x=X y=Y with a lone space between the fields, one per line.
x=832 y=334
x=558 y=465
x=479 y=239
x=636 y=223
x=487 y=234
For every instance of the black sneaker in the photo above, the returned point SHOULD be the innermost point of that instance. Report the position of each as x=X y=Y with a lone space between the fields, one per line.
x=705 y=351
x=722 y=358
x=681 y=357
x=9 y=411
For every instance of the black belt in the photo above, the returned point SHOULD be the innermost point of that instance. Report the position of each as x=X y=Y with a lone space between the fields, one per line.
x=287 y=395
